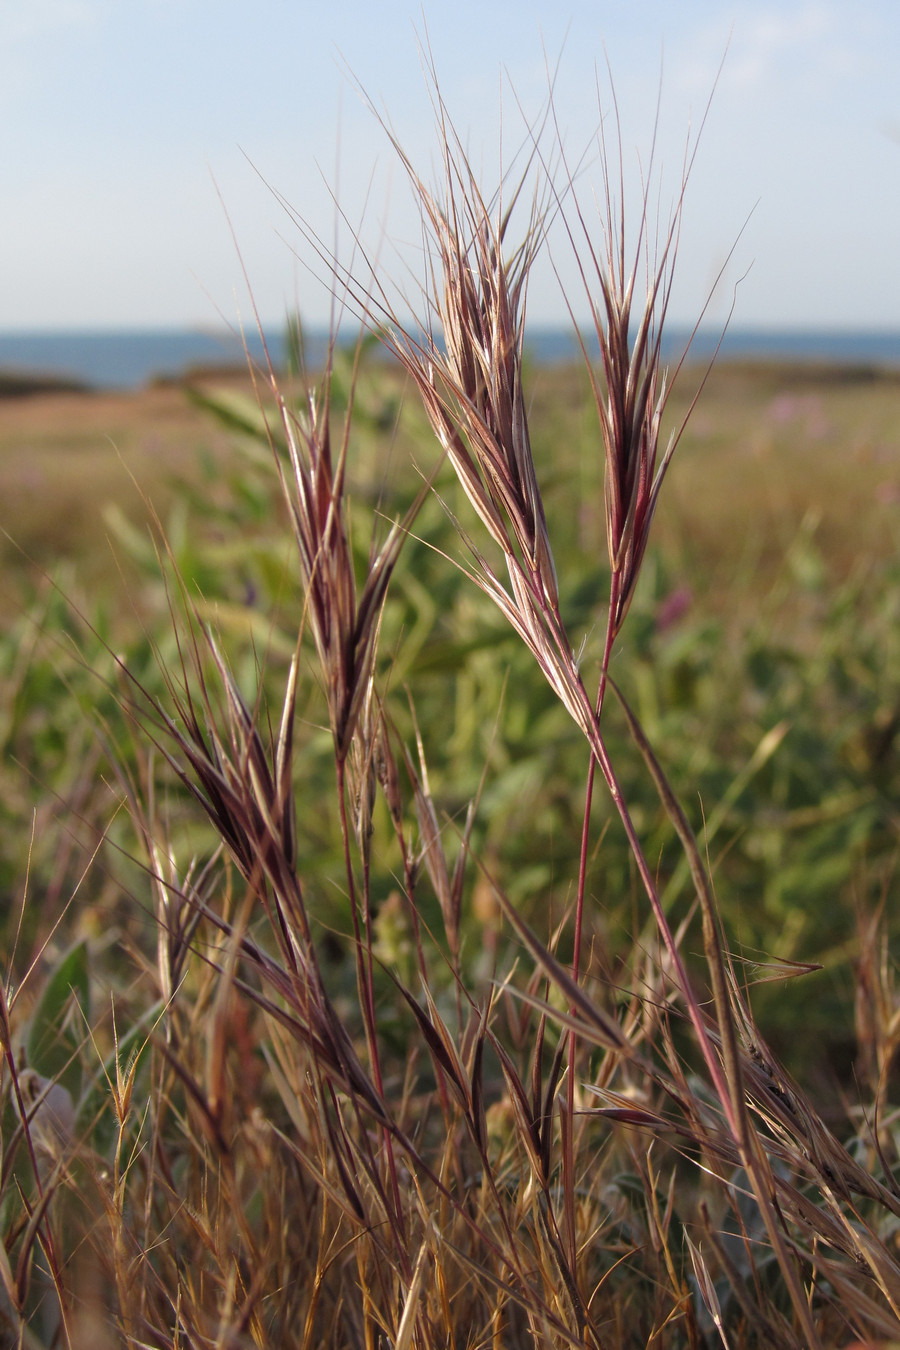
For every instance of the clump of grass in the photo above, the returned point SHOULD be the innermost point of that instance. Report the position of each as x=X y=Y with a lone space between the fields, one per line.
x=412 y=1147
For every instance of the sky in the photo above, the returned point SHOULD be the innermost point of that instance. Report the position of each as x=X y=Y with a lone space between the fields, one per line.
x=155 y=155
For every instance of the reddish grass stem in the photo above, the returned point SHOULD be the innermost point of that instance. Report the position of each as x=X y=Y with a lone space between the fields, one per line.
x=365 y=976
x=568 y=1136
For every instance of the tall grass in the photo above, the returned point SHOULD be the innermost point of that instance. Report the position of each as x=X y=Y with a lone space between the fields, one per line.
x=353 y=1096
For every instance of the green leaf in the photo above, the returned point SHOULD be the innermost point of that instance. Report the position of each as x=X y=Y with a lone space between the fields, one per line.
x=56 y=1032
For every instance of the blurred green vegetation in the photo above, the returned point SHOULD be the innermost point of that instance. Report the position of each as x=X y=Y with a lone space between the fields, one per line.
x=762 y=655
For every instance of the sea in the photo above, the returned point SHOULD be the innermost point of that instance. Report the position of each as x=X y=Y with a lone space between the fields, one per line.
x=123 y=359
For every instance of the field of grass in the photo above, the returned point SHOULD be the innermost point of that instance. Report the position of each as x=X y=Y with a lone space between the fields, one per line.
x=769 y=602
x=771 y=451
x=224 y=1026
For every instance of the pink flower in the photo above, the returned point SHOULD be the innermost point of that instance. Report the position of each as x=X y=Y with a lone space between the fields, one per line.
x=675 y=605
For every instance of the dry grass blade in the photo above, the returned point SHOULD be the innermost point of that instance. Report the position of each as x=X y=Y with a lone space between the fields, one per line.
x=406 y=1327
x=707 y=1288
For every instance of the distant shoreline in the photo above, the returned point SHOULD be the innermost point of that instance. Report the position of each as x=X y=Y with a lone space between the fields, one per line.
x=131 y=359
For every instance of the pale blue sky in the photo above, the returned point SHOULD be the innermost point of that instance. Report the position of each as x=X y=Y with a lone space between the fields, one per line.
x=123 y=122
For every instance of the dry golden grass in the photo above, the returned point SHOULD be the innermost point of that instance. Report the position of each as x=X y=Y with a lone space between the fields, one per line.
x=769 y=446
x=65 y=458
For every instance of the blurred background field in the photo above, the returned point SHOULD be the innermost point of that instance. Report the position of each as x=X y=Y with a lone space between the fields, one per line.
x=762 y=653
x=771 y=445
